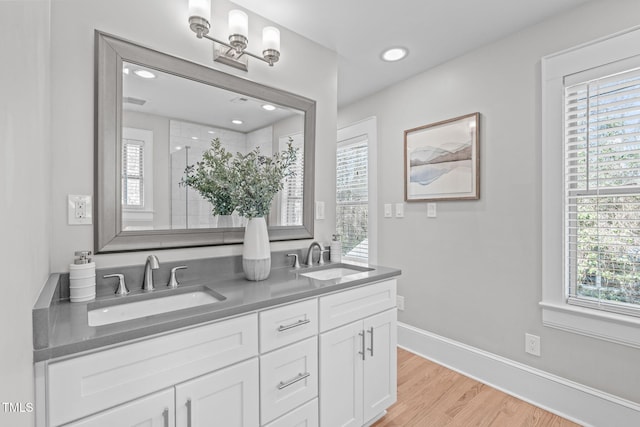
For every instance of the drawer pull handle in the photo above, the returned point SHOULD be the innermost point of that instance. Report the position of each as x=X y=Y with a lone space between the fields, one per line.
x=300 y=377
x=371 y=348
x=293 y=325
x=188 y=403
x=165 y=417
x=363 y=353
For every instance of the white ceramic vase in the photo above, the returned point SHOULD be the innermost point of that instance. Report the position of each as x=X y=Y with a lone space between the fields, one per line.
x=256 y=250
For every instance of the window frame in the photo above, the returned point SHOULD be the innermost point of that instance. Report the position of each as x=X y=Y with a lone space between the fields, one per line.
x=556 y=311
x=366 y=128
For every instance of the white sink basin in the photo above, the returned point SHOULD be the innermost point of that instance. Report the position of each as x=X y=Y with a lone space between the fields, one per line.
x=332 y=273
x=149 y=307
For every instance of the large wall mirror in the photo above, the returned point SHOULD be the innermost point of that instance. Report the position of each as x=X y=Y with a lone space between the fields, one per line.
x=155 y=115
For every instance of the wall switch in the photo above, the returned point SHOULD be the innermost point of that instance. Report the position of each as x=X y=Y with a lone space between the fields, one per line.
x=399 y=210
x=319 y=210
x=79 y=209
x=400 y=302
x=431 y=210
x=532 y=344
x=387 y=210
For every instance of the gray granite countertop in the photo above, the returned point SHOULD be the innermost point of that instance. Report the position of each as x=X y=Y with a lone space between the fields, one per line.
x=61 y=327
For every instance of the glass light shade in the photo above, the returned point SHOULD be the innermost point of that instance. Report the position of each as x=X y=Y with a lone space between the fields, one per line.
x=238 y=23
x=271 y=38
x=201 y=8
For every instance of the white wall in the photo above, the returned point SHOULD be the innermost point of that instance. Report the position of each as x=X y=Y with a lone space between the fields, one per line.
x=473 y=273
x=25 y=192
x=304 y=68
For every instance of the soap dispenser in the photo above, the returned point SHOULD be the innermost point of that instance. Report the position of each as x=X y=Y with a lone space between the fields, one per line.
x=336 y=248
x=82 y=278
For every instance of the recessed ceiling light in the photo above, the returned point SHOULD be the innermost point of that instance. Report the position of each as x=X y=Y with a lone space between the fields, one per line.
x=395 y=54
x=144 y=74
x=236 y=122
x=269 y=107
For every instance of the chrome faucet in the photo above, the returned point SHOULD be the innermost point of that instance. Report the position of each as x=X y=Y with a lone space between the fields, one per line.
x=151 y=264
x=310 y=253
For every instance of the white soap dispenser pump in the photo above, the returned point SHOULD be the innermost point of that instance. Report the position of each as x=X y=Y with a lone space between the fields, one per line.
x=82 y=278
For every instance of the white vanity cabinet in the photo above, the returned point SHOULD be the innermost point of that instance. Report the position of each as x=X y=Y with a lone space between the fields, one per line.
x=358 y=373
x=323 y=361
x=81 y=386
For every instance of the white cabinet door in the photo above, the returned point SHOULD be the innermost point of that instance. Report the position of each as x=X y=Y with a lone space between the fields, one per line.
x=341 y=376
x=155 y=410
x=228 y=398
x=380 y=372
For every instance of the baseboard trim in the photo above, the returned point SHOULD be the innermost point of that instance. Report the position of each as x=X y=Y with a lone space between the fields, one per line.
x=581 y=404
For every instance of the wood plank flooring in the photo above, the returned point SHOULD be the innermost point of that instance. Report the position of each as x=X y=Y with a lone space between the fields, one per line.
x=430 y=395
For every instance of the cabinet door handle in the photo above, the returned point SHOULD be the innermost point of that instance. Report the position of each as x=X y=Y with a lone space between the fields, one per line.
x=371 y=348
x=363 y=344
x=188 y=403
x=300 y=377
x=293 y=325
x=165 y=417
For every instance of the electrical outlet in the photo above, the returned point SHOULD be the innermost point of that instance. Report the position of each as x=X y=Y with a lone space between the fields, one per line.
x=431 y=210
x=400 y=302
x=532 y=344
x=319 y=210
x=79 y=209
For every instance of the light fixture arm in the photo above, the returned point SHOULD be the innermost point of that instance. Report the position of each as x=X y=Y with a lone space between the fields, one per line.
x=271 y=55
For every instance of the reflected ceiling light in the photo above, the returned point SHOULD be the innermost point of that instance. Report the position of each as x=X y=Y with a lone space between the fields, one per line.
x=125 y=70
x=145 y=74
x=269 y=107
x=234 y=52
x=211 y=132
x=237 y=122
x=395 y=54
x=178 y=148
x=194 y=137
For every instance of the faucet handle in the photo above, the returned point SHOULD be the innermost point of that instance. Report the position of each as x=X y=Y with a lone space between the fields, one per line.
x=122 y=286
x=173 y=282
x=296 y=263
x=322 y=252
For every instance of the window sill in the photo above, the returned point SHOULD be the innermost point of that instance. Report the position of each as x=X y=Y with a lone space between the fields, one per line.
x=612 y=327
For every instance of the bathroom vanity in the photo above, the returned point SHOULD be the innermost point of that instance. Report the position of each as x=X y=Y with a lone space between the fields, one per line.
x=311 y=346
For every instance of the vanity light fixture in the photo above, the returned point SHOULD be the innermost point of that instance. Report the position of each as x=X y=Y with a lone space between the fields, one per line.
x=394 y=54
x=234 y=52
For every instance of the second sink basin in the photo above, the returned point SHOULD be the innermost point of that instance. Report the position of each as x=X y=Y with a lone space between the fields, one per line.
x=333 y=273
x=151 y=306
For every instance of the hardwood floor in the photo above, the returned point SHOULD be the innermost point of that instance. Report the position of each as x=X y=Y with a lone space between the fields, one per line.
x=430 y=395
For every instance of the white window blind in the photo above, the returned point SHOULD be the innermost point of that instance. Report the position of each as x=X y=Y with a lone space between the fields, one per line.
x=293 y=190
x=602 y=192
x=352 y=199
x=132 y=173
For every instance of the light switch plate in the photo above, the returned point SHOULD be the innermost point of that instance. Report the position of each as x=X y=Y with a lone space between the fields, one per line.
x=319 y=210
x=387 y=210
x=399 y=210
x=79 y=209
x=431 y=210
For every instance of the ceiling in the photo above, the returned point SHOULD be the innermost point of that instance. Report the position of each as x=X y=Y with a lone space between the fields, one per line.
x=434 y=31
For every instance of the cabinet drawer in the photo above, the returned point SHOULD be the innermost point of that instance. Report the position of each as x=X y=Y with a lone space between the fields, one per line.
x=84 y=385
x=345 y=307
x=288 y=324
x=304 y=416
x=288 y=378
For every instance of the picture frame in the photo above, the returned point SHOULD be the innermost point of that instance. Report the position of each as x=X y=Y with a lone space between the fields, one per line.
x=442 y=160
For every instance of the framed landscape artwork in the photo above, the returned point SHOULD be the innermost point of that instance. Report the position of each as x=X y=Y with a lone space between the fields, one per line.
x=442 y=160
